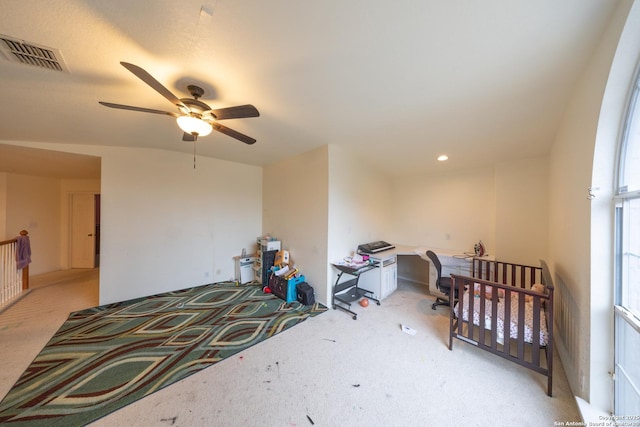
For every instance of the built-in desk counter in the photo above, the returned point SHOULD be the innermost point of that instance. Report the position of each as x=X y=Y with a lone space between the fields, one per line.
x=408 y=263
x=453 y=262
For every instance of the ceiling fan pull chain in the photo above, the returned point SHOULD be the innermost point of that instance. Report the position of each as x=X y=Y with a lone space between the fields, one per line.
x=194 y=155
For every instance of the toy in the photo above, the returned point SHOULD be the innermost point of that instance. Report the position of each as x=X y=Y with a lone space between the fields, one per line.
x=364 y=302
x=282 y=258
x=488 y=292
x=537 y=287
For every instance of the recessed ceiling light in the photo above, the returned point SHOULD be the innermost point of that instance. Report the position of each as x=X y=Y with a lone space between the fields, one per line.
x=443 y=158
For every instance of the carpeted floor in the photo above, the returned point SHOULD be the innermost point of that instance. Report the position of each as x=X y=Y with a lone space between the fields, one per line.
x=104 y=358
x=332 y=369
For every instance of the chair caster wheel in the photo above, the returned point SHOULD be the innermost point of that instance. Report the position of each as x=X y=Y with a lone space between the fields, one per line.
x=378 y=303
x=433 y=306
x=355 y=317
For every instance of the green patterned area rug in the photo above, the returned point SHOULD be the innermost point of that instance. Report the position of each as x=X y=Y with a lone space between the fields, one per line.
x=106 y=357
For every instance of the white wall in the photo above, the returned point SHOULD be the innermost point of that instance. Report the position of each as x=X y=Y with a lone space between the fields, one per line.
x=33 y=204
x=522 y=213
x=166 y=226
x=322 y=204
x=505 y=207
x=447 y=211
x=295 y=205
x=580 y=246
x=360 y=206
x=619 y=83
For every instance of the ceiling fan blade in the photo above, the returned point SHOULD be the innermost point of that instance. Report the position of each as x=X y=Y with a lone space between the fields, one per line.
x=188 y=137
x=238 y=112
x=233 y=134
x=151 y=81
x=141 y=109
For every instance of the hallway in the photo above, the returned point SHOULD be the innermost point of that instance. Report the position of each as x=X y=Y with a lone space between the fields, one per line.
x=27 y=325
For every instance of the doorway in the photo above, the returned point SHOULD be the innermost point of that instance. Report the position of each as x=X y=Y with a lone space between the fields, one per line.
x=84 y=230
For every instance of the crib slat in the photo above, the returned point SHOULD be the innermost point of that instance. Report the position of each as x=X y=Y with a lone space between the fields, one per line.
x=535 y=340
x=470 y=325
x=549 y=347
x=455 y=325
x=461 y=307
x=494 y=324
x=494 y=317
x=506 y=331
x=481 y=326
x=521 y=321
x=460 y=285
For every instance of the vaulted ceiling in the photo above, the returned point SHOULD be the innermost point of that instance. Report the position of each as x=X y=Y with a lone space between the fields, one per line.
x=400 y=82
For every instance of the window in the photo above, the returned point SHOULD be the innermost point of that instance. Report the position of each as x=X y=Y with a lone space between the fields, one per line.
x=627 y=300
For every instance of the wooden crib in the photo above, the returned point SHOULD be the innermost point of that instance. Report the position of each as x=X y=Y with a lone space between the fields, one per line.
x=523 y=326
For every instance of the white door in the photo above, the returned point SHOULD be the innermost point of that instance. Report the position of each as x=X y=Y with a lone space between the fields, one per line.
x=83 y=230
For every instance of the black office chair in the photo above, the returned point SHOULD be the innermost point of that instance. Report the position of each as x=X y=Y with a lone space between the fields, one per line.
x=444 y=284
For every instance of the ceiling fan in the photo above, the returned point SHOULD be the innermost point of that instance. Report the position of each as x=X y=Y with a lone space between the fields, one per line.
x=195 y=117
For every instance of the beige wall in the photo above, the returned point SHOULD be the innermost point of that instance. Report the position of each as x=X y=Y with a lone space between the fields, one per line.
x=295 y=198
x=521 y=222
x=357 y=205
x=3 y=208
x=33 y=204
x=166 y=226
x=322 y=204
x=447 y=211
x=505 y=207
x=360 y=207
x=41 y=206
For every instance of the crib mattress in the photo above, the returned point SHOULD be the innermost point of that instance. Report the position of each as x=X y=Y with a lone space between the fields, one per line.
x=513 y=327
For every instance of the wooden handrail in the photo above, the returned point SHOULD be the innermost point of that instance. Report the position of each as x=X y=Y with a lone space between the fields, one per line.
x=8 y=242
x=15 y=239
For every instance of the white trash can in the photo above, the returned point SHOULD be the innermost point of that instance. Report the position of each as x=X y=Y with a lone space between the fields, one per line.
x=247 y=273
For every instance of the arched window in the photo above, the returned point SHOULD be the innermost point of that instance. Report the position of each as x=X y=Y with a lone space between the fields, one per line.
x=627 y=259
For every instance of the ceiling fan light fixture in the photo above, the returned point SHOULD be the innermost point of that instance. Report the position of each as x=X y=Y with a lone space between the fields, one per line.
x=194 y=126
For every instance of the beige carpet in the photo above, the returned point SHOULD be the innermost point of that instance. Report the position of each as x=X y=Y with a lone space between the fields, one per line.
x=329 y=371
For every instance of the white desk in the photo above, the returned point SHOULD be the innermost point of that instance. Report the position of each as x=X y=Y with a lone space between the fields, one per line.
x=453 y=262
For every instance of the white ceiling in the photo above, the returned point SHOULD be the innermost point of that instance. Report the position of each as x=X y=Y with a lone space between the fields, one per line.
x=401 y=82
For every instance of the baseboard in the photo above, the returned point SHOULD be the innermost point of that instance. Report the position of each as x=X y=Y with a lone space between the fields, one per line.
x=15 y=300
x=590 y=414
x=414 y=281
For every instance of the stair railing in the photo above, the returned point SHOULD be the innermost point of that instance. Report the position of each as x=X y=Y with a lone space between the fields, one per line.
x=13 y=281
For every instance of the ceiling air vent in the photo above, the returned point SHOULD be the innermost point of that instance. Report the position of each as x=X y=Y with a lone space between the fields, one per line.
x=16 y=50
